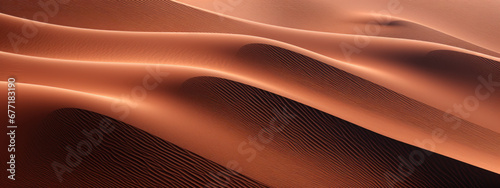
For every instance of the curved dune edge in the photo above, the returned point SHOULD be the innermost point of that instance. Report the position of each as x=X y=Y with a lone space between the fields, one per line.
x=401 y=86
x=61 y=43
x=351 y=113
x=179 y=129
x=395 y=10
x=125 y=156
x=331 y=148
x=222 y=23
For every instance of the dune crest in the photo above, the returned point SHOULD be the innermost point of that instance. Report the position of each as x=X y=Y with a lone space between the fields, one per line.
x=240 y=93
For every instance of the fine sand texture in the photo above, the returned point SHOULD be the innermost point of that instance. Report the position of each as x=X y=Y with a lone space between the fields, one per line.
x=239 y=93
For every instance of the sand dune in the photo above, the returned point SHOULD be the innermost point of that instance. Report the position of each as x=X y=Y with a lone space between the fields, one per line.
x=190 y=86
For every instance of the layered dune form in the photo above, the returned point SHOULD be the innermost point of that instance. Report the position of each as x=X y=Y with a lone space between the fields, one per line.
x=237 y=93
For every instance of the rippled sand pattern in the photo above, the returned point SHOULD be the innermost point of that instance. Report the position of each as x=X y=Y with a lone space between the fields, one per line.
x=239 y=93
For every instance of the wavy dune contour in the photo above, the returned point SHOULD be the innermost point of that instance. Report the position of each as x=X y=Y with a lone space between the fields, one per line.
x=254 y=94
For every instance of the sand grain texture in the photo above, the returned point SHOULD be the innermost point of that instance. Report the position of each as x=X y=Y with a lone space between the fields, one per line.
x=257 y=93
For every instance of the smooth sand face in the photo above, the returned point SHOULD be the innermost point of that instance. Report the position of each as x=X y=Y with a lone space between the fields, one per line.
x=419 y=76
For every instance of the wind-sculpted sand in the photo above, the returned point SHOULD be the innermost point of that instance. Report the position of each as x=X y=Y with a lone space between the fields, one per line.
x=254 y=93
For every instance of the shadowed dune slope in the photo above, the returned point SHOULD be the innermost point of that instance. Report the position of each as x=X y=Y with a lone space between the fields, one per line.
x=124 y=157
x=257 y=93
x=336 y=151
